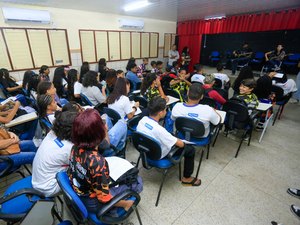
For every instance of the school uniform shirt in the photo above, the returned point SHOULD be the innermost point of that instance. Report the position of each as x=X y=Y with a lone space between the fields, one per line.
x=152 y=128
x=251 y=101
x=288 y=87
x=93 y=94
x=203 y=113
x=223 y=77
x=198 y=78
x=133 y=78
x=51 y=117
x=77 y=88
x=122 y=106
x=51 y=157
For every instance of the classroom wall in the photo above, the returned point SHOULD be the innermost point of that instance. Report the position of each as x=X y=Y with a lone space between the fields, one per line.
x=73 y=20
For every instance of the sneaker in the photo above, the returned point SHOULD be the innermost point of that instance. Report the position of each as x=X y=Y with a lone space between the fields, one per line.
x=296 y=210
x=294 y=192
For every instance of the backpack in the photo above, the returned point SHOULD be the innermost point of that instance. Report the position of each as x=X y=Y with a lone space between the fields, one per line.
x=128 y=178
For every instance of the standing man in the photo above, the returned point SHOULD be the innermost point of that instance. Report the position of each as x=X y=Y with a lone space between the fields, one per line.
x=173 y=55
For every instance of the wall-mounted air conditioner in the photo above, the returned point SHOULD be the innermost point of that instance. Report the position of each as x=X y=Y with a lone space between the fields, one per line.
x=26 y=15
x=131 y=24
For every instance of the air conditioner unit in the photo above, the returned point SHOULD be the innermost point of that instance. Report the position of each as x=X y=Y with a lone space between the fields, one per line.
x=131 y=24
x=25 y=15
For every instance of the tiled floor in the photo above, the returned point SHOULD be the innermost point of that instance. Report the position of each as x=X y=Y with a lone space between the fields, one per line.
x=248 y=190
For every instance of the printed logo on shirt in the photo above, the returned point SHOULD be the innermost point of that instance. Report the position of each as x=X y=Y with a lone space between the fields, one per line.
x=59 y=143
x=193 y=114
x=148 y=126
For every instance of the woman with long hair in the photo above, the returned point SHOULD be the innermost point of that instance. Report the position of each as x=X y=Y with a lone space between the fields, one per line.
x=119 y=101
x=102 y=68
x=85 y=67
x=44 y=73
x=74 y=86
x=9 y=83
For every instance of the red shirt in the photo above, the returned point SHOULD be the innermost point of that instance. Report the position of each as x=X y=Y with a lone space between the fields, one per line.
x=214 y=95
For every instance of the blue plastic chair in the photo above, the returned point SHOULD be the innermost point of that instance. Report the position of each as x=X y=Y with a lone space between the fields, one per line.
x=258 y=58
x=85 y=100
x=215 y=57
x=150 y=154
x=80 y=213
x=292 y=60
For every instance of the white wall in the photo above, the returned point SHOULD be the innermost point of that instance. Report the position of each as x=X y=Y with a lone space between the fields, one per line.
x=73 y=20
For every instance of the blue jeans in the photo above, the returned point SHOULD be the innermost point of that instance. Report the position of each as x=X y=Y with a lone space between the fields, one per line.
x=117 y=134
x=27 y=146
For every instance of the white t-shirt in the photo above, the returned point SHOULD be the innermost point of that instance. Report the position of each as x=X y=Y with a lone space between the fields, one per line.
x=203 y=113
x=173 y=53
x=52 y=157
x=93 y=94
x=122 y=106
x=289 y=86
x=198 y=78
x=77 y=88
x=152 y=128
x=223 y=77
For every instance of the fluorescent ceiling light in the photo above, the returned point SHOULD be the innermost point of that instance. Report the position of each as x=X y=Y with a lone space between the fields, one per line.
x=136 y=5
x=220 y=16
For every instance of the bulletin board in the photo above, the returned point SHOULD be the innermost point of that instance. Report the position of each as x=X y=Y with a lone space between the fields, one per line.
x=167 y=44
x=40 y=51
x=145 y=45
x=87 y=44
x=4 y=58
x=117 y=45
x=30 y=48
x=125 y=45
x=101 y=44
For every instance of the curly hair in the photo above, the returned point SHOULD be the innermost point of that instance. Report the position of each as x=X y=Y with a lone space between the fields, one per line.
x=63 y=124
x=90 y=79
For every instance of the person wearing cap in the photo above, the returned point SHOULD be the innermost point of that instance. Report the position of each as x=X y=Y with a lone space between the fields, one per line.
x=210 y=92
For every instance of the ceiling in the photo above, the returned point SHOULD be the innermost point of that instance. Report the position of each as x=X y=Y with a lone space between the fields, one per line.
x=172 y=10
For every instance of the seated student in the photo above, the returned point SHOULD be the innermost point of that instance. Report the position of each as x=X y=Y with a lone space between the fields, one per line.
x=180 y=84
x=9 y=83
x=74 y=86
x=89 y=171
x=142 y=69
x=44 y=73
x=31 y=86
x=85 y=67
x=132 y=76
x=193 y=109
x=288 y=85
x=27 y=75
x=120 y=73
x=151 y=127
x=198 y=75
x=130 y=62
x=91 y=90
x=151 y=87
x=246 y=88
x=159 y=66
x=245 y=73
x=60 y=80
x=264 y=86
x=153 y=65
x=47 y=107
x=53 y=154
x=102 y=68
x=119 y=101
x=47 y=87
x=175 y=68
x=210 y=92
x=222 y=76
x=111 y=78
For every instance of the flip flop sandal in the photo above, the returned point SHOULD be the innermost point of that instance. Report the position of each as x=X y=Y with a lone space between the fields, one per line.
x=192 y=183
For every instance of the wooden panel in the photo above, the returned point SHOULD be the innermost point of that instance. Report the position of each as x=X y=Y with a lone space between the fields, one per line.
x=40 y=47
x=88 y=46
x=4 y=59
x=18 y=46
x=173 y=40
x=101 y=45
x=135 y=45
x=59 y=46
x=153 y=45
x=167 y=43
x=125 y=45
x=114 y=45
x=145 y=45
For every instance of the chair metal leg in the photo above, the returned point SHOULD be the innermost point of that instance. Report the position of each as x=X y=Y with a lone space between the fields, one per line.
x=219 y=128
x=138 y=215
x=138 y=161
x=160 y=188
x=276 y=116
x=179 y=171
x=237 y=152
x=280 y=113
x=250 y=136
x=207 y=154
x=62 y=205
x=27 y=169
x=198 y=169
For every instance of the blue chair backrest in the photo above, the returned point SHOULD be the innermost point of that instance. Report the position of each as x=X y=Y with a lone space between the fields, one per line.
x=72 y=200
x=259 y=55
x=190 y=127
x=46 y=123
x=112 y=114
x=4 y=91
x=215 y=54
x=85 y=100
x=294 y=57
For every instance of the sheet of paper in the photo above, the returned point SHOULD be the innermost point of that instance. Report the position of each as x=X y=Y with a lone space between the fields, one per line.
x=188 y=142
x=279 y=75
x=88 y=46
x=263 y=106
x=222 y=114
x=172 y=100
x=117 y=166
x=138 y=111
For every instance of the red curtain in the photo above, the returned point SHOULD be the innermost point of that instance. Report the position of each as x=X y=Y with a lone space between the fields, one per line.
x=190 y=32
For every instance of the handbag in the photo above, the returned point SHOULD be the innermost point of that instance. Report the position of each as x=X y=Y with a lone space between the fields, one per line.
x=12 y=149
